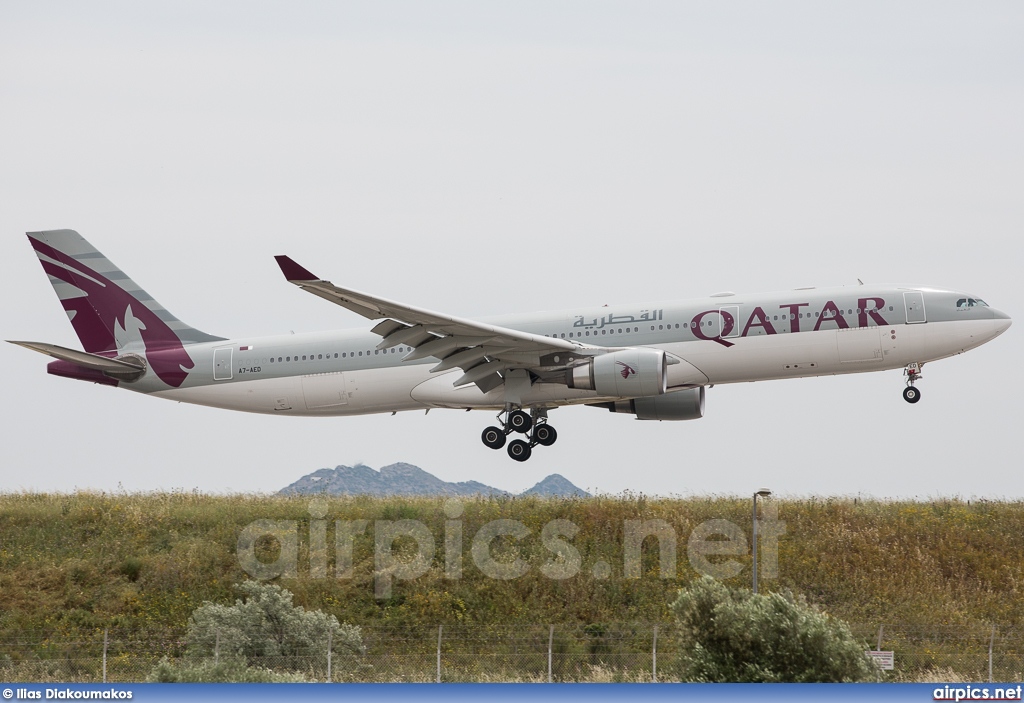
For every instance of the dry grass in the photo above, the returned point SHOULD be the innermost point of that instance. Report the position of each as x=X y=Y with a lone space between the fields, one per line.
x=72 y=565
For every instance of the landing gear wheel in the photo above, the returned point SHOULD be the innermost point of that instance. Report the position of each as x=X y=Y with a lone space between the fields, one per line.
x=493 y=438
x=520 y=421
x=544 y=435
x=911 y=394
x=519 y=450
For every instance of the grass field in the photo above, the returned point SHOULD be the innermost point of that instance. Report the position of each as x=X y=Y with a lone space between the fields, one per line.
x=74 y=565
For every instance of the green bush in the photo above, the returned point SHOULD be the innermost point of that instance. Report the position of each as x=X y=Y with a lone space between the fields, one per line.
x=734 y=635
x=265 y=628
x=131 y=567
x=231 y=671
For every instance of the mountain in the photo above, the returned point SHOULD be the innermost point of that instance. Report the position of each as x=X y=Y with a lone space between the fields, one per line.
x=556 y=485
x=407 y=480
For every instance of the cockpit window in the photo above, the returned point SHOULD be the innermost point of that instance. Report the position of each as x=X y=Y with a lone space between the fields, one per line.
x=971 y=302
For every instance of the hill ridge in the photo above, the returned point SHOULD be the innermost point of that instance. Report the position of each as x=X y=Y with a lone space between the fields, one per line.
x=404 y=479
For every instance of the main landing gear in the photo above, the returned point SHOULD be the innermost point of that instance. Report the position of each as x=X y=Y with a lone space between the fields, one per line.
x=913 y=374
x=518 y=420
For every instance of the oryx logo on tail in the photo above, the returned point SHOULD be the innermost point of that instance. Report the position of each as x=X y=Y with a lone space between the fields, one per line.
x=110 y=313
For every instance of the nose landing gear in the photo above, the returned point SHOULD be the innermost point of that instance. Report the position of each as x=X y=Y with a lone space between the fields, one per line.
x=517 y=420
x=913 y=374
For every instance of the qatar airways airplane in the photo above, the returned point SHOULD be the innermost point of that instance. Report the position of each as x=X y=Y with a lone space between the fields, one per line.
x=651 y=360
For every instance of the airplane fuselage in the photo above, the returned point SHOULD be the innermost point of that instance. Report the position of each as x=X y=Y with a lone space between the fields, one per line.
x=721 y=339
x=652 y=361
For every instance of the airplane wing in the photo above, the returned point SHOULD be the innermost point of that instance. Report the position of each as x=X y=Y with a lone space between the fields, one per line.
x=481 y=350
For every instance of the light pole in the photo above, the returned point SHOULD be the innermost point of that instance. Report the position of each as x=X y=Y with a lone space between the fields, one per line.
x=764 y=493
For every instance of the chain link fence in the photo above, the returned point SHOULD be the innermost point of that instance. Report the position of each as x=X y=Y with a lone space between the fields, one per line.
x=479 y=653
x=949 y=653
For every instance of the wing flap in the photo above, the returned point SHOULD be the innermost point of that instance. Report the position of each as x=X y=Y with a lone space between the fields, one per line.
x=413 y=335
x=479 y=373
x=467 y=358
x=387 y=327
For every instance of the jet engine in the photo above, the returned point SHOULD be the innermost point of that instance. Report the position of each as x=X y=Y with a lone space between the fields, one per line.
x=678 y=405
x=626 y=373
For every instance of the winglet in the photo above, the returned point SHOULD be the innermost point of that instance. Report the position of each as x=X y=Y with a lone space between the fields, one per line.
x=292 y=271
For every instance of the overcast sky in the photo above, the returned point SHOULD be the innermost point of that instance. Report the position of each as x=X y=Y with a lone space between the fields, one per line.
x=483 y=158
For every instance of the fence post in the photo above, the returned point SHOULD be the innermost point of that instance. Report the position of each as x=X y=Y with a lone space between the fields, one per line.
x=439 y=653
x=878 y=647
x=991 y=642
x=106 y=631
x=329 y=643
x=216 y=647
x=654 y=657
x=551 y=640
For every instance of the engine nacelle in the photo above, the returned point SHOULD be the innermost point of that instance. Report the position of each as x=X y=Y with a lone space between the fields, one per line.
x=627 y=374
x=678 y=405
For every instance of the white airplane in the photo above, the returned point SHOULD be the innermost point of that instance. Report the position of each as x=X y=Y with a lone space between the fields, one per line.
x=651 y=360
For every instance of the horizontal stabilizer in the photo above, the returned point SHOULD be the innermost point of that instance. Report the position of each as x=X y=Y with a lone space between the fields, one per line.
x=83 y=359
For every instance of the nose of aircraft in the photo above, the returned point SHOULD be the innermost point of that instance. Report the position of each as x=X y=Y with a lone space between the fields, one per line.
x=1001 y=319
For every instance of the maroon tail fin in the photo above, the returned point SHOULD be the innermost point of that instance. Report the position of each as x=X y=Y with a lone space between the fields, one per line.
x=109 y=311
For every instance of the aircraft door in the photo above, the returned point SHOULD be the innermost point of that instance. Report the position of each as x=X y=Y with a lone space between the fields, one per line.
x=222 y=369
x=914 y=301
